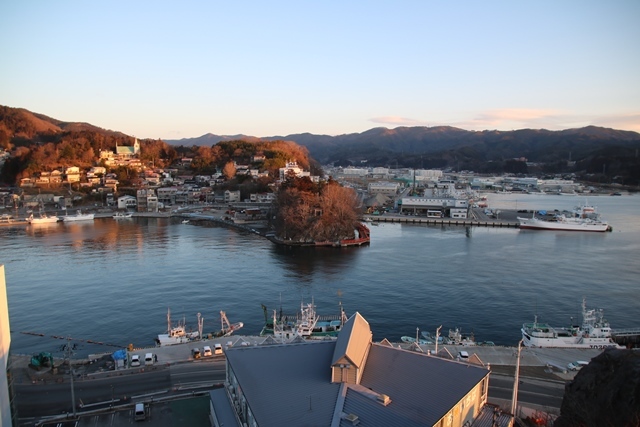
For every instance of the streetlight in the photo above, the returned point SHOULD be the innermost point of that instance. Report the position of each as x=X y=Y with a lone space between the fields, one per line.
x=514 y=399
x=73 y=394
x=437 y=337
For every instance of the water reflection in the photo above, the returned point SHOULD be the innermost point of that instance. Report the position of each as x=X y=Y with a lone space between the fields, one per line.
x=303 y=263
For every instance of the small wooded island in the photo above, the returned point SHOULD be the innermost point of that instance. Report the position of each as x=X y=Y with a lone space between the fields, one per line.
x=317 y=214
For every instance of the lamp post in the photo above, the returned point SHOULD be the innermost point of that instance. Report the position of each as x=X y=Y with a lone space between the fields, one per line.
x=514 y=399
x=73 y=394
x=437 y=337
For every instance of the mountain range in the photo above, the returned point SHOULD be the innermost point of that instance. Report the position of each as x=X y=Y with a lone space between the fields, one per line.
x=436 y=146
x=588 y=150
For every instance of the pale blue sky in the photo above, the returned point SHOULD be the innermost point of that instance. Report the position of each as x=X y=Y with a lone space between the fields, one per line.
x=171 y=70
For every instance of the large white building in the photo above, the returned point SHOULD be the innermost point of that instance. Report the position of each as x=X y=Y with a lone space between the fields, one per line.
x=5 y=343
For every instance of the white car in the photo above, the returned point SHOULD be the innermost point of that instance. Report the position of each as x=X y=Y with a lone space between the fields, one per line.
x=577 y=365
x=207 y=351
x=135 y=360
x=217 y=349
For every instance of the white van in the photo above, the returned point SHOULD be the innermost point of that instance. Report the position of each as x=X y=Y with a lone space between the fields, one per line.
x=217 y=349
x=206 y=351
x=148 y=359
x=139 y=412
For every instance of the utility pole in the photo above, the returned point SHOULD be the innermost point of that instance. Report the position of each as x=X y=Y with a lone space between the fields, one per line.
x=514 y=399
x=73 y=394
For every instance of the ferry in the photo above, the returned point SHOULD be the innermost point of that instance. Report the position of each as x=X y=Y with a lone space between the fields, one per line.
x=595 y=332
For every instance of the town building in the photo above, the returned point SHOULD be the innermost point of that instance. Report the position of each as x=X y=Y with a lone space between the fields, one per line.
x=292 y=168
x=383 y=187
x=147 y=201
x=347 y=382
x=231 y=196
x=127 y=202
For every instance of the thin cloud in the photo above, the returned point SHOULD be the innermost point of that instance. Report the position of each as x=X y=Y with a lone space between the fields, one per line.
x=397 y=121
x=517 y=116
x=623 y=121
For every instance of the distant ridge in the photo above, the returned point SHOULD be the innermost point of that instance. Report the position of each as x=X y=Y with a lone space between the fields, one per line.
x=382 y=146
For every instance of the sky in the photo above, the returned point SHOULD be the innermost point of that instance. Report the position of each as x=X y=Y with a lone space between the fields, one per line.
x=173 y=70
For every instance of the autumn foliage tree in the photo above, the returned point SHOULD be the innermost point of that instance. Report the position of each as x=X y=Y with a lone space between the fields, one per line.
x=308 y=212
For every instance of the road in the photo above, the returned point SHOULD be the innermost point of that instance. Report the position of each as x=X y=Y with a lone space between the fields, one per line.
x=541 y=393
x=36 y=400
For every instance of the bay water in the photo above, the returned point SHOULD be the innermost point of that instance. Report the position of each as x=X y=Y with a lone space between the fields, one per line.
x=112 y=281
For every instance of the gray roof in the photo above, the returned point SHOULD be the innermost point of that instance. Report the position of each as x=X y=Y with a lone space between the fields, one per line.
x=353 y=340
x=287 y=385
x=422 y=388
x=225 y=414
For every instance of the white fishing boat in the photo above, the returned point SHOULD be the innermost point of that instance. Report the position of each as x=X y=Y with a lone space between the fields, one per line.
x=307 y=325
x=456 y=338
x=595 y=332
x=582 y=218
x=78 y=216
x=42 y=218
x=176 y=334
x=122 y=215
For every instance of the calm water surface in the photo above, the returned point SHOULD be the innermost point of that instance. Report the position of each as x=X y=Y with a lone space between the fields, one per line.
x=112 y=281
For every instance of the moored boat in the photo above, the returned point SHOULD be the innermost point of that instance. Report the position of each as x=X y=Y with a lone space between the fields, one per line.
x=306 y=324
x=122 y=215
x=409 y=339
x=78 y=216
x=176 y=334
x=595 y=332
x=42 y=219
x=583 y=218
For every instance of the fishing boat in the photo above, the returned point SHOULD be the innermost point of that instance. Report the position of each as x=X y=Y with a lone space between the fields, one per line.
x=176 y=334
x=595 y=332
x=582 y=218
x=306 y=324
x=429 y=337
x=456 y=338
x=409 y=339
x=42 y=218
x=227 y=328
x=78 y=216
x=122 y=215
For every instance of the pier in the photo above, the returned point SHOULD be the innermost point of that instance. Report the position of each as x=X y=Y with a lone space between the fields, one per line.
x=627 y=337
x=441 y=221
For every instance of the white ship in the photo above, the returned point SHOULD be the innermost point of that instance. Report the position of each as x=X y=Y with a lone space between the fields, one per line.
x=583 y=218
x=595 y=332
x=42 y=219
x=79 y=216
